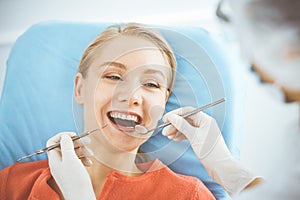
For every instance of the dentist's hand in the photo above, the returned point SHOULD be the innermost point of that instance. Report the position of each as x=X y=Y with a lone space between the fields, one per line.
x=68 y=170
x=206 y=140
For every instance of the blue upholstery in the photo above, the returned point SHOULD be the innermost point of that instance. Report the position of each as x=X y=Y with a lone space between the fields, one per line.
x=37 y=97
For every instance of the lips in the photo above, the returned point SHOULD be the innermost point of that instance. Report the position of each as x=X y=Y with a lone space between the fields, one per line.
x=124 y=120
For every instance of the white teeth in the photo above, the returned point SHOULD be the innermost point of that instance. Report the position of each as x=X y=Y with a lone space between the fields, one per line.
x=124 y=116
x=119 y=115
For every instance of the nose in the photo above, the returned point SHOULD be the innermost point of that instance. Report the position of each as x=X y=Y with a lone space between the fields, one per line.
x=136 y=98
x=132 y=96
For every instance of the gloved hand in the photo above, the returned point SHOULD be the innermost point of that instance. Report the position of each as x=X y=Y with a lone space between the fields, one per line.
x=67 y=169
x=206 y=140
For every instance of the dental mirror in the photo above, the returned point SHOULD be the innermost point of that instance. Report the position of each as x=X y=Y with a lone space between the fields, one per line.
x=143 y=130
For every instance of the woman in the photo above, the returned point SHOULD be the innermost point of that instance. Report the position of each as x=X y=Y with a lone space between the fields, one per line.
x=124 y=79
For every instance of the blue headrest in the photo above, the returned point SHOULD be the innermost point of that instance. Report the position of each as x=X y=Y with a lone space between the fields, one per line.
x=37 y=98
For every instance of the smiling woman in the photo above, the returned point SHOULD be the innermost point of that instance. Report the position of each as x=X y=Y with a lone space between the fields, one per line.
x=126 y=73
x=124 y=89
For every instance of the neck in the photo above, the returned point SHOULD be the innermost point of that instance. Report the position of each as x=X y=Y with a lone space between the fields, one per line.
x=121 y=162
x=290 y=94
x=104 y=162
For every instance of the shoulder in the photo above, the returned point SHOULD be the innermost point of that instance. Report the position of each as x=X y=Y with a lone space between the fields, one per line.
x=172 y=184
x=21 y=177
x=27 y=165
x=28 y=170
x=191 y=185
x=183 y=179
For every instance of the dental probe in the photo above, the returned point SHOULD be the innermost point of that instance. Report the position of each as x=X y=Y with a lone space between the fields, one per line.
x=74 y=138
x=143 y=130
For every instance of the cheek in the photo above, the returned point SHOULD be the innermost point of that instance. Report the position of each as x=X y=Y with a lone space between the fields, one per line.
x=156 y=107
x=102 y=96
x=100 y=99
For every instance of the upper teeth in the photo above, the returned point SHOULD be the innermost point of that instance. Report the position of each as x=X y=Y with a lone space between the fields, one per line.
x=124 y=116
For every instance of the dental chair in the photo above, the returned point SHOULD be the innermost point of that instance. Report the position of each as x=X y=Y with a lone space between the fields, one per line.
x=37 y=98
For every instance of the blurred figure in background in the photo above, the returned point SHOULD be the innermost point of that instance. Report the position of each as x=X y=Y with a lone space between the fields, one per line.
x=268 y=32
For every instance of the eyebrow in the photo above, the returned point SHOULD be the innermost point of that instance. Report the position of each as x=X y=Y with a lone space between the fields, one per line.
x=123 y=67
x=154 y=71
x=115 y=64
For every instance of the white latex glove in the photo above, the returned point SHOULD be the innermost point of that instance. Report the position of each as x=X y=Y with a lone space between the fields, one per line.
x=206 y=140
x=67 y=169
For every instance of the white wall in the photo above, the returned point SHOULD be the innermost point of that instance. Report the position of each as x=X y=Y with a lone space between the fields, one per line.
x=18 y=15
x=4 y=51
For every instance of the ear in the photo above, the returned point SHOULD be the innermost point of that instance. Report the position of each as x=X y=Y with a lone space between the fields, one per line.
x=78 y=88
x=167 y=95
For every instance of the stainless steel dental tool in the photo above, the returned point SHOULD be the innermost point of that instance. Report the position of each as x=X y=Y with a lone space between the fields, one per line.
x=74 y=138
x=138 y=128
x=143 y=130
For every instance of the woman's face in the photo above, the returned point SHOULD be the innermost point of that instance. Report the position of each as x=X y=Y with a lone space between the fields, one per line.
x=126 y=85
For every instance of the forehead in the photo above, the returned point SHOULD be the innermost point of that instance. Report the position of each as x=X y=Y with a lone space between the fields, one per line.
x=131 y=50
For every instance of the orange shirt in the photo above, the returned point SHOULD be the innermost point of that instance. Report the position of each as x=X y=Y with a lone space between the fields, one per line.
x=29 y=181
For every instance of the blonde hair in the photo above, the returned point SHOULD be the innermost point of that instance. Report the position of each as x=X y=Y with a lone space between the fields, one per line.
x=129 y=29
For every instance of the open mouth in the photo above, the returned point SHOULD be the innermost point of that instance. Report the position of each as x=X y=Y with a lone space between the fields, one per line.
x=124 y=120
